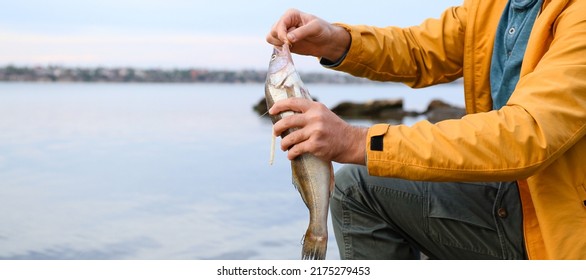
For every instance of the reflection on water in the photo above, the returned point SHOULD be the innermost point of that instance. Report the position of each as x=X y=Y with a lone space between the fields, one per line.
x=116 y=171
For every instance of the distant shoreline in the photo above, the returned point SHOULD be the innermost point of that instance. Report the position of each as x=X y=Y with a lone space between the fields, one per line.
x=56 y=74
x=60 y=74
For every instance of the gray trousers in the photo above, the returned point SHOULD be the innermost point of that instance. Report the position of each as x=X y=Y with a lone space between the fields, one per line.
x=388 y=218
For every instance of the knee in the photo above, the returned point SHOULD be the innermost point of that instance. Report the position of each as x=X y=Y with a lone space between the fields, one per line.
x=350 y=176
x=348 y=180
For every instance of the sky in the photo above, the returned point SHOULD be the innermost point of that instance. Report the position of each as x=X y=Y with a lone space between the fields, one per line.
x=211 y=34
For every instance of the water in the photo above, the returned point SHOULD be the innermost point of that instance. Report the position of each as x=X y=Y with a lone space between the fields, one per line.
x=154 y=171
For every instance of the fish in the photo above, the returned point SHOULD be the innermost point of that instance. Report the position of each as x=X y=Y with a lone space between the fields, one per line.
x=312 y=177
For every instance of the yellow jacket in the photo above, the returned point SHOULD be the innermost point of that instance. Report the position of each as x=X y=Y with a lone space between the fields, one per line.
x=536 y=139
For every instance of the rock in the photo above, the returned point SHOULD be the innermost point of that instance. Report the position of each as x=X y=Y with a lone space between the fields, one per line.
x=388 y=109
x=438 y=110
x=261 y=107
x=385 y=110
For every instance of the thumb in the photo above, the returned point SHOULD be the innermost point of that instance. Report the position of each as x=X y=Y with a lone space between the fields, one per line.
x=292 y=37
x=312 y=28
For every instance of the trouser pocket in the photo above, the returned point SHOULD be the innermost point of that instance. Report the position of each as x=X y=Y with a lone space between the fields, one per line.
x=461 y=216
x=480 y=220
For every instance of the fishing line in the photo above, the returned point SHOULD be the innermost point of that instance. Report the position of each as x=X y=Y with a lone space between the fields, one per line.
x=273 y=143
x=264 y=114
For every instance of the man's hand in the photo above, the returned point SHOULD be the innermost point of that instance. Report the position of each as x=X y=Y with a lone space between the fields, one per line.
x=309 y=35
x=320 y=132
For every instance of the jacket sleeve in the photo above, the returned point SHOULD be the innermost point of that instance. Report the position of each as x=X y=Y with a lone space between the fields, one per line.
x=418 y=56
x=545 y=116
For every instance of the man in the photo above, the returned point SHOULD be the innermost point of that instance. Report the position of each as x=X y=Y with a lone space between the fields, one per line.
x=518 y=153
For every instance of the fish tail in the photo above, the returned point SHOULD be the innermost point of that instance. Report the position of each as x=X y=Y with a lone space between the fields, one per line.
x=314 y=244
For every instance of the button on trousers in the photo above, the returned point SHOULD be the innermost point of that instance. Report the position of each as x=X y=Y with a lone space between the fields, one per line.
x=388 y=218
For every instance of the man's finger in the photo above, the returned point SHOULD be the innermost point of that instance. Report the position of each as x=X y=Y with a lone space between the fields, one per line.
x=300 y=105
x=296 y=151
x=274 y=41
x=288 y=122
x=293 y=139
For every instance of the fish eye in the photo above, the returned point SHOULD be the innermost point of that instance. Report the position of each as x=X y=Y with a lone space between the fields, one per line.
x=273 y=57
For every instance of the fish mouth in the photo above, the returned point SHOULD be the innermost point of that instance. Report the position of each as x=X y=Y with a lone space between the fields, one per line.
x=279 y=60
x=277 y=51
x=282 y=51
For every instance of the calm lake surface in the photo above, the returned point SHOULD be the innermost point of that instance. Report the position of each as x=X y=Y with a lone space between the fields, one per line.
x=155 y=171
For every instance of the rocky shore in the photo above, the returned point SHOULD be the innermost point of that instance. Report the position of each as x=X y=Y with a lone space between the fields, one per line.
x=385 y=110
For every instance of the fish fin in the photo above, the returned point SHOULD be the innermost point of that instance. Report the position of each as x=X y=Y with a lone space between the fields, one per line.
x=305 y=93
x=295 y=178
x=290 y=90
x=272 y=155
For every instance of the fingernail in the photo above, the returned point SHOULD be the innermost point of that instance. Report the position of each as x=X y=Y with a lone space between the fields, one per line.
x=291 y=37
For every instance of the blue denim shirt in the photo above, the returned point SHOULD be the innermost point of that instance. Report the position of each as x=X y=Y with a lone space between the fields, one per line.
x=509 y=48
